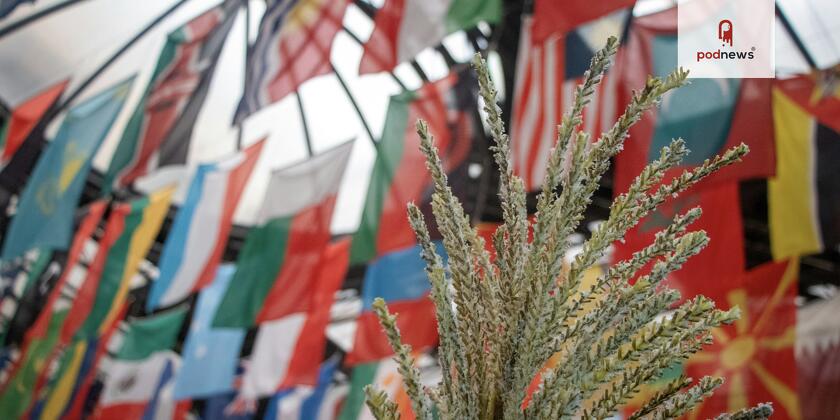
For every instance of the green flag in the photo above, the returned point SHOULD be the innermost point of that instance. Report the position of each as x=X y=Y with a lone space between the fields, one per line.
x=149 y=335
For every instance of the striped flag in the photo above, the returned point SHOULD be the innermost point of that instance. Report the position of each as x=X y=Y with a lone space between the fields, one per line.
x=803 y=198
x=547 y=73
x=400 y=279
x=159 y=131
x=384 y=376
x=288 y=351
x=25 y=116
x=399 y=172
x=404 y=28
x=310 y=403
x=199 y=233
x=293 y=46
x=281 y=256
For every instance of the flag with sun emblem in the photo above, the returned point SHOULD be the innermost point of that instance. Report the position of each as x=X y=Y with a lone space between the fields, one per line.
x=756 y=354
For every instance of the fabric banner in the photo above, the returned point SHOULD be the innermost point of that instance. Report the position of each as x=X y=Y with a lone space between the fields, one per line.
x=26 y=116
x=711 y=115
x=310 y=403
x=756 y=353
x=282 y=255
x=199 y=234
x=551 y=17
x=384 y=376
x=404 y=28
x=399 y=171
x=803 y=198
x=160 y=130
x=294 y=44
x=45 y=213
x=210 y=355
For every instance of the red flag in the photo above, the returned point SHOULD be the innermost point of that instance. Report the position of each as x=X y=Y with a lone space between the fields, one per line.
x=720 y=262
x=821 y=98
x=553 y=16
x=416 y=321
x=756 y=354
x=26 y=115
x=711 y=115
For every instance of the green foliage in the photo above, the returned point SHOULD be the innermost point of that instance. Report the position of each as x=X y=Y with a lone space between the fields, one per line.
x=501 y=319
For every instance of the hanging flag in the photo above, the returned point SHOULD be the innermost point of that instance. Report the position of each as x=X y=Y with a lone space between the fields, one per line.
x=400 y=279
x=551 y=17
x=280 y=258
x=17 y=392
x=140 y=367
x=308 y=403
x=817 y=93
x=135 y=389
x=77 y=370
x=404 y=28
x=199 y=233
x=547 y=73
x=721 y=262
x=399 y=172
x=818 y=357
x=756 y=353
x=211 y=355
x=216 y=408
x=159 y=132
x=8 y=6
x=45 y=321
x=384 y=376
x=711 y=115
x=25 y=116
x=129 y=234
x=803 y=198
x=288 y=351
x=45 y=214
x=293 y=46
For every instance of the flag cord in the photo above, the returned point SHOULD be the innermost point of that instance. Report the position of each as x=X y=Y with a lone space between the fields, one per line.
x=359 y=41
x=19 y=24
x=355 y=104
x=306 y=135
x=246 y=60
x=806 y=54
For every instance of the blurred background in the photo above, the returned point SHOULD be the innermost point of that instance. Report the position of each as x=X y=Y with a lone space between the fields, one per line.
x=201 y=199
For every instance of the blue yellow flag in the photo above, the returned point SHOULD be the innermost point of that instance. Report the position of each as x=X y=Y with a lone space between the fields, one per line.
x=47 y=204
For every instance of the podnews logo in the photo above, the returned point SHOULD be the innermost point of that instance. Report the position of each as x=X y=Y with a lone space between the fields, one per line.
x=726 y=35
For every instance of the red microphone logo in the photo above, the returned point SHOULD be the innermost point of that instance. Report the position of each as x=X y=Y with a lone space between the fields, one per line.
x=725 y=31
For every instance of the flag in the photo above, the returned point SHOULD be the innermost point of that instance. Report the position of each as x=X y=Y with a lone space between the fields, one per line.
x=17 y=392
x=210 y=355
x=281 y=256
x=547 y=73
x=47 y=204
x=199 y=233
x=308 y=403
x=400 y=279
x=552 y=16
x=288 y=351
x=384 y=376
x=129 y=234
x=404 y=28
x=25 y=116
x=77 y=369
x=136 y=389
x=46 y=321
x=818 y=357
x=721 y=262
x=399 y=171
x=217 y=408
x=803 y=198
x=756 y=353
x=160 y=129
x=8 y=6
x=294 y=43
x=146 y=336
x=711 y=115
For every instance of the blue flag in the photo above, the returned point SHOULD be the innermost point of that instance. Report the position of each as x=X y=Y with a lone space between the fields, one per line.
x=307 y=403
x=210 y=354
x=48 y=203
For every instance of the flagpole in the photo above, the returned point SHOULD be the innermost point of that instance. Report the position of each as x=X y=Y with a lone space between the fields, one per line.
x=306 y=135
x=20 y=23
x=355 y=104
